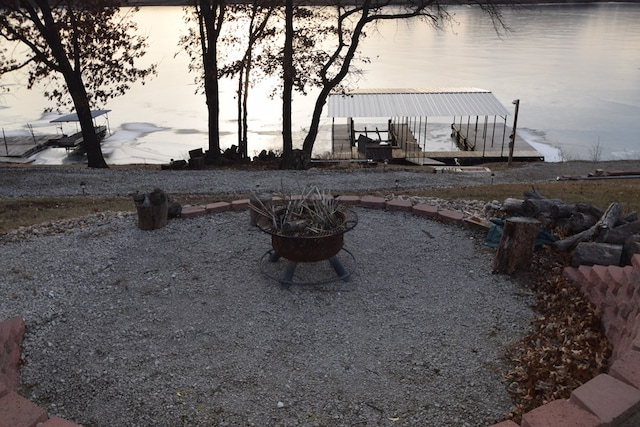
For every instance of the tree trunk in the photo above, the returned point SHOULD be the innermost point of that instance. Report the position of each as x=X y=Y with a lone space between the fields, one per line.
x=245 y=111
x=314 y=127
x=329 y=84
x=95 y=159
x=287 y=81
x=75 y=85
x=516 y=244
x=213 y=118
x=210 y=18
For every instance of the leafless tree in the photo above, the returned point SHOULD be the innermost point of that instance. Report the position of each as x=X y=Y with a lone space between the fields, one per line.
x=351 y=19
x=84 y=52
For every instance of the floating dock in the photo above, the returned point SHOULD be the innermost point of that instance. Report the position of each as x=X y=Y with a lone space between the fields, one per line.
x=18 y=149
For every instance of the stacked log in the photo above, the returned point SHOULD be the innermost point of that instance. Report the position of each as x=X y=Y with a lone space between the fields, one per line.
x=595 y=236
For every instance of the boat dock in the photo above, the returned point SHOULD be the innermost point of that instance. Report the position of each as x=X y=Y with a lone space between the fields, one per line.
x=479 y=128
x=485 y=145
x=18 y=149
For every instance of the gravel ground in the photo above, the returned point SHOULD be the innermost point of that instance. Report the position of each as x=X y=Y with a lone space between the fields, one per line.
x=61 y=180
x=179 y=326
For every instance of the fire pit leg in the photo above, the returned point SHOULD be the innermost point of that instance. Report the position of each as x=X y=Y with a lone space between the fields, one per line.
x=287 y=277
x=339 y=268
x=288 y=273
x=273 y=256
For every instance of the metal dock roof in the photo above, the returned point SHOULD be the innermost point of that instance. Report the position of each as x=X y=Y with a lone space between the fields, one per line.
x=73 y=117
x=416 y=103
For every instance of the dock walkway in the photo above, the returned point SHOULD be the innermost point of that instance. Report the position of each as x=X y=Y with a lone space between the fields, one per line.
x=17 y=149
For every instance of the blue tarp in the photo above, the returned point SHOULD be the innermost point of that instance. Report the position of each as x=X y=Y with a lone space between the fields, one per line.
x=495 y=233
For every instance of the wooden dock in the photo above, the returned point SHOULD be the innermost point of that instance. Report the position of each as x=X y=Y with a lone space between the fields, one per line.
x=485 y=144
x=491 y=141
x=17 y=149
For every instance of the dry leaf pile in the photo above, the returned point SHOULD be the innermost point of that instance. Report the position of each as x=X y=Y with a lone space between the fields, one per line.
x=566 y=346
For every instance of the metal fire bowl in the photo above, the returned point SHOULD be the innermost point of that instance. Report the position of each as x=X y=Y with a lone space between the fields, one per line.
x=309 y=248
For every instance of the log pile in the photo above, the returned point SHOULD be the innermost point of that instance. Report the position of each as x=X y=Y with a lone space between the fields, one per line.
x=596 y=236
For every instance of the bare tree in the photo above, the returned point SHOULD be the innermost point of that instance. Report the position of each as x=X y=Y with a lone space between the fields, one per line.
x=253 y=31
x=351 y=19
x=308 y=31
x=84 y=50
x=201 y=45
x=288 y=72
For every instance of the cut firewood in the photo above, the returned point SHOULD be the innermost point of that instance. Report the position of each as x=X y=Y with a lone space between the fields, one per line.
x=590 y=253
x=511 y=205
x=533 y=194
x=619 y=234
x=630 y=217
x=607 y=221
x=533 y=207
x=630 y=247
x=580 y=221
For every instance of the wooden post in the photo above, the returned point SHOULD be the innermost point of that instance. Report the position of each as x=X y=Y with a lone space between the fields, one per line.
x=152 y=209
x=512 y=143
x=516 y=244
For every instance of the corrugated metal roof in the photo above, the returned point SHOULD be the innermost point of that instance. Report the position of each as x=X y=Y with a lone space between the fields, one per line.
x=444 y=102
x=73 y=117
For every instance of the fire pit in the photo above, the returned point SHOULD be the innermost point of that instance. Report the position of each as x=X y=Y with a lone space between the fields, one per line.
x=307 y=230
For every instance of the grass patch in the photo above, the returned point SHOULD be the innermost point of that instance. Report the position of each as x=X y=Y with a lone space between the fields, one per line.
x=600 y=193
x=19 y=212
x=27 y=211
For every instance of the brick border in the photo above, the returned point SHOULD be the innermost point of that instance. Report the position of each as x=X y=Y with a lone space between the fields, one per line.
x=611 y=399
x=373 y=202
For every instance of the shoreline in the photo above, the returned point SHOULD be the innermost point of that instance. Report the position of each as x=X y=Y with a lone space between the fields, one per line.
x=54 y=181
x=143 y=3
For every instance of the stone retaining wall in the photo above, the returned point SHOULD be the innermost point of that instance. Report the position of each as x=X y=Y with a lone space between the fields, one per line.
x=611 y=399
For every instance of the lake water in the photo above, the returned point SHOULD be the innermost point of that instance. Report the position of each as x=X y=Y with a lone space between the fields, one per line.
x=575 y=69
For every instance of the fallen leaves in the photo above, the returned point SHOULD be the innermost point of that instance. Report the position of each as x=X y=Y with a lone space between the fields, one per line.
x=565 y=347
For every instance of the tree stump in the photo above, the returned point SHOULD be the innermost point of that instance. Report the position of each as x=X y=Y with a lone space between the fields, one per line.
x=516 y=244
x=152 y=209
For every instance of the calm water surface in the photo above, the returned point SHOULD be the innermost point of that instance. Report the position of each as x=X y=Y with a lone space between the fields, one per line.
x=575 y=69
